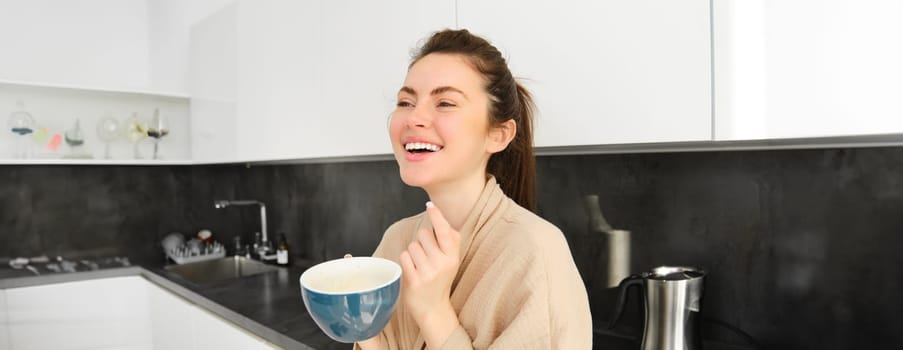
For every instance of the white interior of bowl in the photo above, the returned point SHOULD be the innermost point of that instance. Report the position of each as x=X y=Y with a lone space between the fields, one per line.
x=351 y=275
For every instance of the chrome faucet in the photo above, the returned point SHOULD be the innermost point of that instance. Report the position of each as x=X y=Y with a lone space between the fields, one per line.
x=264 y=248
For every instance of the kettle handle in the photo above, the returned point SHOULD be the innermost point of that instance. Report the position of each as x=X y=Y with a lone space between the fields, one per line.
x=623 y=288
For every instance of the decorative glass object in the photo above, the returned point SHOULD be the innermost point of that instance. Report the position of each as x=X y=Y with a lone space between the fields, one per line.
x=157 y=130
x=21 y=124
x=136 y=130
x=75 y=138
x=108 y=130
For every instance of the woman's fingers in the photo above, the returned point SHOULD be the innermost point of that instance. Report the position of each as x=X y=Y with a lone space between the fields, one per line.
x=407 y=266
x=446 y=237
x=427 y=239
x=421 y=261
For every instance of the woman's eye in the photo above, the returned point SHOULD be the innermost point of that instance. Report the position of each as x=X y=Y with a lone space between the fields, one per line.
x=404 y=104
x=446 y=104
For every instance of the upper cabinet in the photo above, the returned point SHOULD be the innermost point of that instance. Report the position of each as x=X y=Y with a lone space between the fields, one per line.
x=95 y=43
x=367 y=47
x=796 y=69
x=279 y=79
x=104 y=65
x=608 y=71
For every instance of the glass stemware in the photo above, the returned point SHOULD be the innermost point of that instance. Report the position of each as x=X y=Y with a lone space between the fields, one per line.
x=157 y=130
x=136 y=130
x=75 y=138
x=108 y=131
x=21 y=124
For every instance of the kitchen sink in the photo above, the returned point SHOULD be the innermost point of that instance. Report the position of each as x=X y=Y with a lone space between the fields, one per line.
x=220 y=269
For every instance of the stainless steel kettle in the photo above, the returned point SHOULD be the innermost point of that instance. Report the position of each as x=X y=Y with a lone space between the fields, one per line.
x=673 y=297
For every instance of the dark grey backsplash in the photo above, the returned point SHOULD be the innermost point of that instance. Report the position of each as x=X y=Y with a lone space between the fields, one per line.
x=801 y=246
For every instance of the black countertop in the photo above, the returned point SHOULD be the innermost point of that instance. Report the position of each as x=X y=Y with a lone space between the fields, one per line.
x=267 y=304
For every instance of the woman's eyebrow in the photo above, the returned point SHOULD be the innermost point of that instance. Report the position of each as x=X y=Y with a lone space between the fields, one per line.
x=444 y=89
x=407 y=90
x=436 y=91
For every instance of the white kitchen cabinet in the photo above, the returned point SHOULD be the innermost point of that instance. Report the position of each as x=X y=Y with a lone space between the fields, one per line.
x=366 y=50
x=113 y=45
x=4 y=327
x=92 y=43
x=278 y=96
x=213 y=69
x=178 y=324
x=212 y=332
x=606 y=72
x=254 y=85
x=105 y=313
x=112 y=313
x=96 y=58
x=303 y=80
x=807 y=68
x=170 y=319
x=169 y=23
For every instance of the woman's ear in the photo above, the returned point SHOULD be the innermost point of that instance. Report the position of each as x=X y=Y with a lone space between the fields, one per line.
x=500 y=136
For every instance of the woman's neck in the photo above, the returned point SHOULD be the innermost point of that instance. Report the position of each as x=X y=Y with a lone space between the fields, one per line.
x=456 y=199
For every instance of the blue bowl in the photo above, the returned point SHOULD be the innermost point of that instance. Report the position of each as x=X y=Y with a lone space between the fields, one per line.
x=351 y=299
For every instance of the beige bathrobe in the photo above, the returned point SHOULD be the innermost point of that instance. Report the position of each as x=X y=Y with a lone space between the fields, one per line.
x=517 y=286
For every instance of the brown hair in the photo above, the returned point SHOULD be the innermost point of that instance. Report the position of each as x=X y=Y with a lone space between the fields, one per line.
x=515 y=167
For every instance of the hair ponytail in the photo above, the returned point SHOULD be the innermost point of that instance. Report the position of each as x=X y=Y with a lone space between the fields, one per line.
x=515 y=167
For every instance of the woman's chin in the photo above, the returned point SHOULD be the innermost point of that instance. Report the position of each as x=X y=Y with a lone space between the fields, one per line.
x=414 y=179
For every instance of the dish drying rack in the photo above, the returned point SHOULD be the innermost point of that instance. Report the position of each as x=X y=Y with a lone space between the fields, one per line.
x=186 y=254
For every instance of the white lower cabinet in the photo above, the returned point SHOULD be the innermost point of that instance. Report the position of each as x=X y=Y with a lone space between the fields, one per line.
x=126 y=313
x=212 y=332
x=98 y=314
x=4 y=329
x=170 y=320
x=178 y=325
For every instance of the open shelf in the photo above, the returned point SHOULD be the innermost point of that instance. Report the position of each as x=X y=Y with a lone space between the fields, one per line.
x=96 y=89
x=65 y=161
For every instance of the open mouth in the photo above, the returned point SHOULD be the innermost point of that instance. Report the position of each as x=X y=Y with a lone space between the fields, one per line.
x=421 y=147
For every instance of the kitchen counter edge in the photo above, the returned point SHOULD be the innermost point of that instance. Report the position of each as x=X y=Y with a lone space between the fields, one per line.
x=238 y=319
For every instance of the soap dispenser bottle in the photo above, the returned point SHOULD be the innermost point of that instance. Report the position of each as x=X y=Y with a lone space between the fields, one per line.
x=282 y=251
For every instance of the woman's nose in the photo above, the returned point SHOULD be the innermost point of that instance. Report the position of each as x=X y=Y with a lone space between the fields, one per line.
x=419 y=118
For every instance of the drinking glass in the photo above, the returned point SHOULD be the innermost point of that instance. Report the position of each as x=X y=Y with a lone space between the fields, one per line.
x=21 y=124
x=157 y=130
x=136 y=130
x=108 y=130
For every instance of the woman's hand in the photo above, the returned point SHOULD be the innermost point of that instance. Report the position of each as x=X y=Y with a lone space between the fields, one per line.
x=429 y=267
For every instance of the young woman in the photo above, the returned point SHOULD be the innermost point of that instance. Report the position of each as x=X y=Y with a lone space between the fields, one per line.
x=480 y=269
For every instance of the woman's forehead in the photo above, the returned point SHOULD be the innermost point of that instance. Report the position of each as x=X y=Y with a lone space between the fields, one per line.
x=440 y=70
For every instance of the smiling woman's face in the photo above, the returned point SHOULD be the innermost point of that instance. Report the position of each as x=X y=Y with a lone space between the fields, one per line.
x=440 y=128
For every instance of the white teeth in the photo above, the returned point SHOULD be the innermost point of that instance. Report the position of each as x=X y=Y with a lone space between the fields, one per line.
x=421 y=146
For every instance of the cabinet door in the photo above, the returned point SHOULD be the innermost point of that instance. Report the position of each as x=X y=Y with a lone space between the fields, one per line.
x=211 y=332
x=213 y=67
x=254 y=83
x=278 y=108
x=4 y=327
x=97 y=314
x=95 y=43
x=792 y=69
x=171 y=326
x=366 y=50
x=608 y=71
